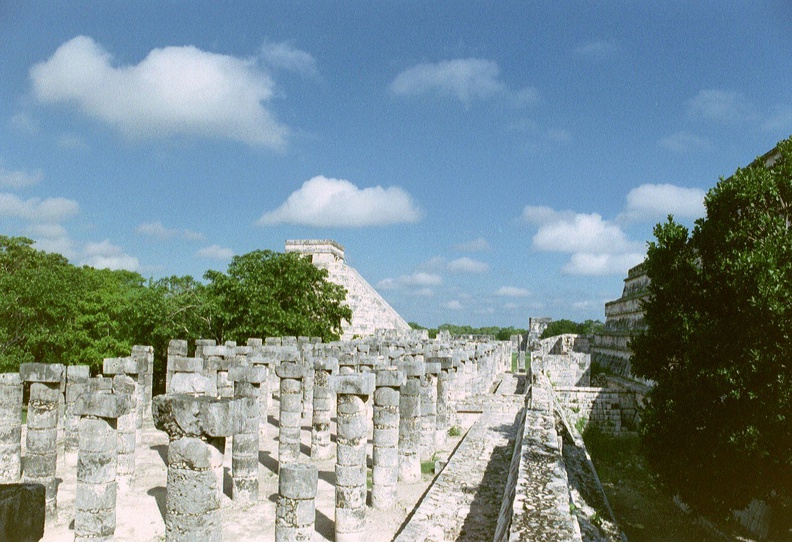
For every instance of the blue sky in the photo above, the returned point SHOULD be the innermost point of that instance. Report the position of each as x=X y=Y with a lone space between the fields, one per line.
x=481 y=163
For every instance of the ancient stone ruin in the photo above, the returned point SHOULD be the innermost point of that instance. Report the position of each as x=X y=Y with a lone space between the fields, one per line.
x=406 y=439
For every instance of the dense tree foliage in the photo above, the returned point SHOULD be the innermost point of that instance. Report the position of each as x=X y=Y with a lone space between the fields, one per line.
x=54 y=312
x=560 y=327
x=269 y=294
x=718 y=427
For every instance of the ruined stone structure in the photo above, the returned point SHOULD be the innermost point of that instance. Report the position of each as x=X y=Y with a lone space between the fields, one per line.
x=623 y=320
x=370 y=311
x=501 y=473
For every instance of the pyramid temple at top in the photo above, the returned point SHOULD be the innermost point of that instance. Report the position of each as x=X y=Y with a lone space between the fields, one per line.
x=369 y=310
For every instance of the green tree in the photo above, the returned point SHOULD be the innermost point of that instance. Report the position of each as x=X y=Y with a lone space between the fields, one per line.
x=270 y=294
x=718 y=427
x=39 y=298
x=563 y=326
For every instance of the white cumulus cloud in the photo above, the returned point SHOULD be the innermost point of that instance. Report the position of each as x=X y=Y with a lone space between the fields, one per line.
x=174 y=90
x=467 y=265
x=215 y=252
x=106 y=255
x=453 y=305
x=19 y=179
x=597 y=246
x=720 y=105
x=324 y=202
x=36 y=209
x=463 y=78
x=418 y=281
x=285 y=56
x=158 y=231
x=650 y=202
x=512 y=291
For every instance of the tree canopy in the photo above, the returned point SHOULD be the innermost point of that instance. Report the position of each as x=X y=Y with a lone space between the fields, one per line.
x=560 y=327
x=54 y=312
x=718 y=426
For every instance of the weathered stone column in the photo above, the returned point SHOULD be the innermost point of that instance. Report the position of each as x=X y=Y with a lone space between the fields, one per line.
x=42 y=428
x=429 y=410
x=177 y=348
x=385 y=455
x=410 y=421
x=95 y=499
x=291 y=375
x=10 y=428
x=443 y=400
x=76 y=384
x=352 y=392
x=135 y=368
x=321 y=447
x=245 y=447
x=296 y=511
x=197 y=427
x=307 y=362
x=144 y=356
x=187 y=377
x=125 y=386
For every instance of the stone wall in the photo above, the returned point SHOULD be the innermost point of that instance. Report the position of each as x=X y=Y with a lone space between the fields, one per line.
x=370 y=311
x=613 y=411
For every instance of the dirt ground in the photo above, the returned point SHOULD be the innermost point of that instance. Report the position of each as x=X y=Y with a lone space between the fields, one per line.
x=140 y=512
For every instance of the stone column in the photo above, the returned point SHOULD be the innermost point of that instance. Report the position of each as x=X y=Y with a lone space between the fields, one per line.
x=42 y=428
x=322 y=408
x=296 y=510
x=135 y=368
x=385 y=455
x=76 y=384
x=443 y=400
x=291 y=375
x=144 y=355
x=187 y=377
x=124 y=386
x=245 y=447
x=410 y=421
x=307 y=387
x=428 y=410
x=352 y=392
x=95 y=498
x=197 y=427
x=10 y=428
x=177 y=348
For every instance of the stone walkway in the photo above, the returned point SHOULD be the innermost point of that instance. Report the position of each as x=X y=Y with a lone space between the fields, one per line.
x=465 y=499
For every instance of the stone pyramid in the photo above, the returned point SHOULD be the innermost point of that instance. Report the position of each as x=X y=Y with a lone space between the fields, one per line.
x=369 y=310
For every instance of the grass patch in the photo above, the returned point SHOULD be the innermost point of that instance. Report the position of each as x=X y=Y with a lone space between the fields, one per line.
x=514 y=363
x=427 y=467
x=454 y=431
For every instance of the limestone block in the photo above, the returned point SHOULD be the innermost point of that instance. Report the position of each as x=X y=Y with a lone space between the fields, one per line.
x=289 y=369
x=248 y=374
x=412 y=368
x=187 y=415
x=181 y=364
x=128 y=365
x=390 y=377
x=102 y=405
x=41 y=372
x=354 y=384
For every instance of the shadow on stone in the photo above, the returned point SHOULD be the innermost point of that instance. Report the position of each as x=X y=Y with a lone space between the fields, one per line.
x=22 y=513
x=273 y=421
x=324 y=526
x=305 y=449
x=227 y=482
x=159 y=495
x=481 y=522
x=162 y=450
x=328 y=476
x=268 y=461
